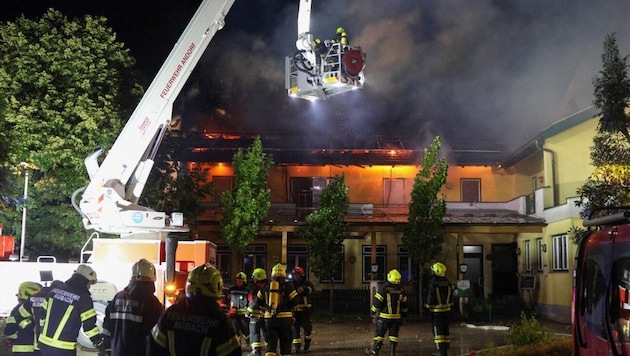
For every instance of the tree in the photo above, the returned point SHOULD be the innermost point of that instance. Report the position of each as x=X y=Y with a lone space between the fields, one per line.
x=612 y=91
x=608 y=185
x=324 y=232
x=248 y=204
x=69 y=86
x=173 y=187
x=423 y=234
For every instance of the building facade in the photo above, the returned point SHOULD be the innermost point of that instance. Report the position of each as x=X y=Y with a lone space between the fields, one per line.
x=506 y=227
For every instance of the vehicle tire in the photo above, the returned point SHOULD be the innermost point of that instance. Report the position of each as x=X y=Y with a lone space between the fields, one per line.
x=82 y=339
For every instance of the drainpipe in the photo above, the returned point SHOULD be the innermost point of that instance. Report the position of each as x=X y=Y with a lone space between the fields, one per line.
x=556 y=198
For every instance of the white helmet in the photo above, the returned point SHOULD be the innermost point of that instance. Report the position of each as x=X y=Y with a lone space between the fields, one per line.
x=143 y=270
x=87 y=272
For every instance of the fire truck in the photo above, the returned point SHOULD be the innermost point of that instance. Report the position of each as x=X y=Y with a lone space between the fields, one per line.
x=601 y=290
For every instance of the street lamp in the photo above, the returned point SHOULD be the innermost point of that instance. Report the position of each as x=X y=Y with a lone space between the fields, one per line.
x=24 y=165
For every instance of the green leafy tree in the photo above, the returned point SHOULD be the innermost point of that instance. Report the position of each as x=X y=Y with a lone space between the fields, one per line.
x=173 y=187
x=249 y=203
x=324 y=232
x=423 y=234
x=608 y=185
x=69 y=85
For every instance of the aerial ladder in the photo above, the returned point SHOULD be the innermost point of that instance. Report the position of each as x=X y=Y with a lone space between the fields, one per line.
x=321 y=69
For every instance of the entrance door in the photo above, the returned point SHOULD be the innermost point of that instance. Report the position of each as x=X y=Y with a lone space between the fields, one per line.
x=473 y=258
x=504 y=269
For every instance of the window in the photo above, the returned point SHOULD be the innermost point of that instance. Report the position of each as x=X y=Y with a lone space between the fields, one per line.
x=381 y=261
x=539 y=256
x=221 y=184
x=406 y=267
x=297 y=255
x=340 y=271
x=528 y=257
x=471 y=190
x=224 y=257
x=397 y=191
x=255 y=256
x=560 y=253
x=306 y=191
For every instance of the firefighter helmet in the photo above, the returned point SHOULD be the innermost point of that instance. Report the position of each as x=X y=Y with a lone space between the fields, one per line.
x=205 y=280
x=340 y=30
x=87 y=272
x=278 y=271
x=439 y=269
x=143 y=270
x=299 y=270
x=241 y=275
x=27 y=289
x=259 y=274
x=393 y=276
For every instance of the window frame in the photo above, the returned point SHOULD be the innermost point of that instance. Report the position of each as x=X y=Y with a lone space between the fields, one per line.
x=560 y=252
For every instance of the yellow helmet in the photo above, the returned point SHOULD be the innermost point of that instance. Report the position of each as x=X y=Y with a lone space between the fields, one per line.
x=143 y=270
x=241 y=275
x=259 y=274
x=27 y=289
x=278 y=271
x=393 y=276
x=340 y=30
x=439 y=269
x=205 y=280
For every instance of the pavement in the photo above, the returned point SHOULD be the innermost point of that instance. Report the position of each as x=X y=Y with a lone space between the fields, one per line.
x=352 y=337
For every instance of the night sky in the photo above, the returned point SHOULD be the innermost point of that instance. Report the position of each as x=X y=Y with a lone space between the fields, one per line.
x=479 y=73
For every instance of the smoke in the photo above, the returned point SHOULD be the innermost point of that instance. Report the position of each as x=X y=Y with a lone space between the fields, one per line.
x=480 y=74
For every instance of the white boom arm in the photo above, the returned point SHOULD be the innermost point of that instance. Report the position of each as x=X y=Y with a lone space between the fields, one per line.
x=109 y=202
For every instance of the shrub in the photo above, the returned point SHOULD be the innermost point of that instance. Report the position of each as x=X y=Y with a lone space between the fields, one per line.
x=528 y=332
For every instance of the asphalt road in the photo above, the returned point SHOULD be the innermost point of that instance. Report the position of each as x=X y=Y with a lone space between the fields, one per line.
x=416 y=338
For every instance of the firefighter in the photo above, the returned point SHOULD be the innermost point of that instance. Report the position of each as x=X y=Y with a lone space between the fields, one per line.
x=197 y=326
x=67 y=308
x=32 y=306
x=439 y=301
x=256 y=317
x=302 y=312
x=19 y=327
x=277 y=299
x=389 y=309
x=341 y=37
x=131 y=314
x=239 y=301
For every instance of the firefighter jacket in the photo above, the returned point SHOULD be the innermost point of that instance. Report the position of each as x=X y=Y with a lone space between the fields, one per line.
x=197 y=326
x=19 y=328
x=390 y=302
x=28 y=314
x=304 y=294
x=439 y=295
x=239 y=298
x=252 y=308
x=130 y=316
x=287 y=300
x=67 y=308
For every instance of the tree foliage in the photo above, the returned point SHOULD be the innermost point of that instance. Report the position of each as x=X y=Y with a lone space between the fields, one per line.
x=68 y=85
x=423 y=237
x=173 y=187
x=249 y=203
x=608 y=185
x=324 y=231
x=612 y=91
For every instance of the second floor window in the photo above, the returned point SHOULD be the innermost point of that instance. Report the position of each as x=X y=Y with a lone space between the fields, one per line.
x=471 y=190
x=560 y=253
x=306 y=191
x=221 y=184
x=397 y=191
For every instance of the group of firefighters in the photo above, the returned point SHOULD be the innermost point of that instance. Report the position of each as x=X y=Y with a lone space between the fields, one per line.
x=270 y=316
